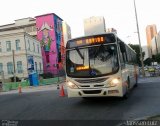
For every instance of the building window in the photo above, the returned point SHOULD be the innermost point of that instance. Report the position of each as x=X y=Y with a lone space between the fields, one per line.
x=8 y=45
x=40 y=67
x=33 y=47
x=34 y=28
x=36 y=66
x=1 y=68
x=59 y=37
x=10 y=67
x=19 y=67
x=0 y=47
x=29 y=45
x=38 y=48
x=18 y=44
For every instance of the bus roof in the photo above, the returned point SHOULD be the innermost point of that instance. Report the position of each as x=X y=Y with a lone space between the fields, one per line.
x=127 y=45
x=111 y=33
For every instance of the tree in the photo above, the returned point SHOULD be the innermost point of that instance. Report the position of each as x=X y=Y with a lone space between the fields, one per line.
x=157 y=57
x=148 y=61
x=154 y=58
x=136 y=48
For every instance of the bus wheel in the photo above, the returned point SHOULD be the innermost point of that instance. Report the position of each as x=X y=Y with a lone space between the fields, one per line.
x=126 y=95
x=136 y=84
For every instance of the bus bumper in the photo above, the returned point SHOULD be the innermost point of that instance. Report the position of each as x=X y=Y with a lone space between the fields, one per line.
x=98 y=92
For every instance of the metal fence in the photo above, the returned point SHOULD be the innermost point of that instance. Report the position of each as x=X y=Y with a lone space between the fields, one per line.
x=46 y=78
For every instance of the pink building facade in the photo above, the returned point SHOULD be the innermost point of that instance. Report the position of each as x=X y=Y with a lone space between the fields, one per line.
x=49 y=33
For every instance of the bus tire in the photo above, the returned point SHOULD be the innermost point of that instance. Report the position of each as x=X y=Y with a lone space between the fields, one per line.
x=126 y=95
x=136 y=84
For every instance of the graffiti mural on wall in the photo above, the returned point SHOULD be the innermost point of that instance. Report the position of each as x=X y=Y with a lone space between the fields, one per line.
x=46 y=38
x=49 y=32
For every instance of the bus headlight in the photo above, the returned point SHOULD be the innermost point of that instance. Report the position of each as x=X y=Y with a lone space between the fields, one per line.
x=71 y=85
x=114 y=82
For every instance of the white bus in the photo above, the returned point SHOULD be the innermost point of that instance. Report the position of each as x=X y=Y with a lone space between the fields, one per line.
x=100 y=65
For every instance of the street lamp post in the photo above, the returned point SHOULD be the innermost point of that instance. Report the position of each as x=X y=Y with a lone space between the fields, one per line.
x=141 y=57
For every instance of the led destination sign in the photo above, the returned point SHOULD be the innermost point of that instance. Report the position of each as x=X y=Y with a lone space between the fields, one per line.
x=91 y=40
x=82 y=68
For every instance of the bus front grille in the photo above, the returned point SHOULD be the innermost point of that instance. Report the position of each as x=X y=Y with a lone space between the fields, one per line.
x=92 y=91
x=99 y=85
x=99 y=80
x=91 y=86
x=84 y=85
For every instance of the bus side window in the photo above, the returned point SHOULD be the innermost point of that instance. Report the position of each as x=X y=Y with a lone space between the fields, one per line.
x=122 y=60
x=123 y=52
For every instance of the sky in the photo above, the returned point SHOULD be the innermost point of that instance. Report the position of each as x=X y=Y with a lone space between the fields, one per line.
x=118 y=14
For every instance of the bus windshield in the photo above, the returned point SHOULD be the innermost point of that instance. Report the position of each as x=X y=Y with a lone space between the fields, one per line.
x=94 y=61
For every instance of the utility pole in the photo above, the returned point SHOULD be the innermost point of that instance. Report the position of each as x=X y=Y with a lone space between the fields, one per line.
x=14 y=67
x=141 y=57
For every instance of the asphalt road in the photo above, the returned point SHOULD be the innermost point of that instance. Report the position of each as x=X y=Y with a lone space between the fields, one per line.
x=48 y=105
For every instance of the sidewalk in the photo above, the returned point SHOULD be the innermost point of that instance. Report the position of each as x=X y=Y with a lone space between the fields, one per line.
x=35 y=88
x=149 y=79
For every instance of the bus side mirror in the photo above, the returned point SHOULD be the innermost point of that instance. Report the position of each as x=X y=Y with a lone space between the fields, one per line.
x=122 y=47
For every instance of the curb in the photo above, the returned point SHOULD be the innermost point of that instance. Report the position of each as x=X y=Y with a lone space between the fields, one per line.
x=34 y=89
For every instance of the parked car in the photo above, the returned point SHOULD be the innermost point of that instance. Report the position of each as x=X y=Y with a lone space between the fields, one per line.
x=146 y=68
x=151 y=69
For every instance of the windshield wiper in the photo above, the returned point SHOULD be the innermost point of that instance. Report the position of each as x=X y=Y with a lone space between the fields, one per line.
x=80 y=54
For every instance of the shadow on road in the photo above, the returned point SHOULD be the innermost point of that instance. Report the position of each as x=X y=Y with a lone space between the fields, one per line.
x=102 y=101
